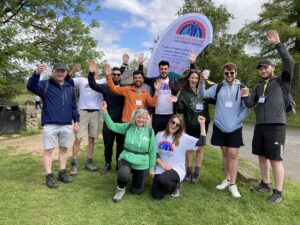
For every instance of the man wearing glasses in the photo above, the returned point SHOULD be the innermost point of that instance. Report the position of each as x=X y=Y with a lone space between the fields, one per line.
x=230 y=112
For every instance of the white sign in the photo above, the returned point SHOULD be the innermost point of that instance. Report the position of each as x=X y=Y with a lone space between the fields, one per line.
x=191 y=32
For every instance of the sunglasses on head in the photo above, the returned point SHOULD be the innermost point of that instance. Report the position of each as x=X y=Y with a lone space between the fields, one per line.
x=174 y=123
x=116 y=74
x=231 y=73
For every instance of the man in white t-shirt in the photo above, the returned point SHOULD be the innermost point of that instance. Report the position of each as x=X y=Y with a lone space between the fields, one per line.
x=89 y=110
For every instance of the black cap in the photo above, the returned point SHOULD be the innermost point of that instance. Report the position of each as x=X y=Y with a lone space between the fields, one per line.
x=264 y=62
x=60 y=66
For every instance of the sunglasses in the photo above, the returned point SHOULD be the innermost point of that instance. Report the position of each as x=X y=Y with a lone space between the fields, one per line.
x=231 y=73
x=176 y=124
x=116 y=74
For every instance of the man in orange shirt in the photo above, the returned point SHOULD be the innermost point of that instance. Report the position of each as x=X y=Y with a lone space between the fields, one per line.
x=135 y=95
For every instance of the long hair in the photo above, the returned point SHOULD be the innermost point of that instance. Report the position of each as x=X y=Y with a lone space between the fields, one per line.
x=184 y=83
x=140 y=112
x=178 y=133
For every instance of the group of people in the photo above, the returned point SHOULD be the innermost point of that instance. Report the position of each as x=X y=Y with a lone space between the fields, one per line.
x=158 y=132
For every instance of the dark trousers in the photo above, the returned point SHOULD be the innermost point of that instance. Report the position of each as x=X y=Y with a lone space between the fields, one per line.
x=138 y=177
x=159 y=122
x=164 y=183
x=108 y=139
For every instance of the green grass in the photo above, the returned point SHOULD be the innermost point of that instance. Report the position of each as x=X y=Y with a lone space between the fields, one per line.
x=88 y=200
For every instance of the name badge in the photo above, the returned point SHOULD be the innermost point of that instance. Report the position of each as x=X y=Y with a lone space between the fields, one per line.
x=261 y=99
x=199 y=106
x=228 y=104
x=138 y=102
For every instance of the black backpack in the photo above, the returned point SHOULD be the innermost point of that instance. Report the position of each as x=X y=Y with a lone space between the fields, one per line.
x=290 y=104
x=213 y=101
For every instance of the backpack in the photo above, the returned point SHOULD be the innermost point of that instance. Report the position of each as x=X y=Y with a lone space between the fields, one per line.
x=213 y=101
x=290 y=104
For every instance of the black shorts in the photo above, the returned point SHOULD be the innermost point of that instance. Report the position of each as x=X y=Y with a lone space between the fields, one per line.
x=233 y=139
x=268 y=141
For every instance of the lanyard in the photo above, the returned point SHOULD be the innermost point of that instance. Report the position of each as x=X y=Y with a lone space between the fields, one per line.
x=229 y=93
x=265 y=87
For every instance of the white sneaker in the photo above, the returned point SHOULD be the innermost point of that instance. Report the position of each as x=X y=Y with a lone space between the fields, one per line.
x=119 y=194
x=234 y=191
x=176 y=192
x=225 y=183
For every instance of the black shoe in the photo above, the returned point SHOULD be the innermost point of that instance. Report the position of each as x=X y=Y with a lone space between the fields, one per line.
x=276 y=197
x=62 y=176
x=74 y=168
x=106 y=169
x=194 y=178
x=188 y=177
x=89 y=165
x=50 y=181
x=262 y=187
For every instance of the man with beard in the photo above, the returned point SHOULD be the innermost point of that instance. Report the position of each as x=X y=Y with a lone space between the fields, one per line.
x=270 y=129
x=135 y=95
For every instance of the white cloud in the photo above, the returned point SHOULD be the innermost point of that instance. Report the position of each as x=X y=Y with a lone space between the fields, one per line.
x=105 y=35
x=134 y=23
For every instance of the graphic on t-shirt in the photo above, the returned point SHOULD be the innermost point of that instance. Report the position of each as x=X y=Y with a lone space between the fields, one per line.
x=197 y=104
x=165 y=88
x=166 y=147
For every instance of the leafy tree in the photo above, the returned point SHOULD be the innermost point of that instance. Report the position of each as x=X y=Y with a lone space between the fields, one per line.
x=284 y=16
x=47 y=31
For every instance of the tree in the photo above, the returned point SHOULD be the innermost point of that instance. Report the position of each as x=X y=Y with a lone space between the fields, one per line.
x=284 y=16
x=46 y=31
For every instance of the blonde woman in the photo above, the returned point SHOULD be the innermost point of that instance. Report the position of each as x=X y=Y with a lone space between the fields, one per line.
x=139 y=154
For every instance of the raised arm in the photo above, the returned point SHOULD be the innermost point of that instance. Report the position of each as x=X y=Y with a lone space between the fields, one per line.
x=33 y=84
x=117 y=90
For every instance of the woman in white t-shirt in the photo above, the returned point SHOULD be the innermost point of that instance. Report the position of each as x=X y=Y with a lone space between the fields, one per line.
x=172 y=145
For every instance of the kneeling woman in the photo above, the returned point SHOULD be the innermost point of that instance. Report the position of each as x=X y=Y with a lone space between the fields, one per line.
x=139 y=152
x=172 y=145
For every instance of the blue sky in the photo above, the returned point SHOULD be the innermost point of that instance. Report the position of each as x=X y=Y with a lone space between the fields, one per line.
x=132 y=25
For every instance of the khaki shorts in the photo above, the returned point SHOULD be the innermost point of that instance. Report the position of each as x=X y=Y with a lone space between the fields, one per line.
x=89 y=122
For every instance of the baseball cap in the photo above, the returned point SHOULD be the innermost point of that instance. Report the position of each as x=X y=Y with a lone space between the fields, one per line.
x=60 y=66
x=264 y=62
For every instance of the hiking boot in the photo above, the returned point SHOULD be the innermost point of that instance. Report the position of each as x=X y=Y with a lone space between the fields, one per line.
x=74 y=168
x=188 y=177
x=50 y=181
x=262 y=187
x=234 y=191
x=105 y=169
x=276 y=197
x=63 y=177
x=194 y=178
x=176 y=192
x=225 y=183
x=89 y=165
x=119 y=194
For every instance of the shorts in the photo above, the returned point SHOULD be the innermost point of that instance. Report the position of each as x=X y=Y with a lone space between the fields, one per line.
x=89 y=123
x=233 y=139
x=268 y=141
x=52 y=133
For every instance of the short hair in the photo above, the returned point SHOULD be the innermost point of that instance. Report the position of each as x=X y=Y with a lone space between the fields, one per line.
x=229 y=66
x=163 y=63
x=140 y=112
x=136 y=72
x=116 y=68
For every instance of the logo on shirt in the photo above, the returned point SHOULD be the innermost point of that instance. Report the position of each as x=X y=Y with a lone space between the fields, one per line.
x=166 y=147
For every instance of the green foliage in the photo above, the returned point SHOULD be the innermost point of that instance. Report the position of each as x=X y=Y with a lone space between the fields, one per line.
x=47 y=31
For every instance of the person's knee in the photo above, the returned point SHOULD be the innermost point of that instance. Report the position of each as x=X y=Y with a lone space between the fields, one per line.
x=77 y=141
x=123 y=174
x=161 y=181
x=137 y=191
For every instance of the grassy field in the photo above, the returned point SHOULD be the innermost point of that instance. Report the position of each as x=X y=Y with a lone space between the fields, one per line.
x=88 y=200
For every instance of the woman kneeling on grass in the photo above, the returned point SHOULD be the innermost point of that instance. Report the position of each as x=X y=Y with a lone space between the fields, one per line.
x=172 y=145
x=139 y=152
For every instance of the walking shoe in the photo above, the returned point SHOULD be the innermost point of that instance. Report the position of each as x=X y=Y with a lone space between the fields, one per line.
x=119 y=194
x=262 y=187
x=234 y=191
x=225 y=183
x=106 y=168
x=188 y=177
x=50 y=181
x=62 y=176
x=89 y=165
x=74 y=168
x=194 y=178
x=276 y=197
x=176 y=192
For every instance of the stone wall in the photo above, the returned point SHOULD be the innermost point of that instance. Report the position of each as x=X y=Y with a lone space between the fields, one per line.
x=29 y=116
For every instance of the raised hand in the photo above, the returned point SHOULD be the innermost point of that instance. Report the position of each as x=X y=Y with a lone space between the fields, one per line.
x=107 y=69
x=201 y=119
x=273 y=37
x=40 y=69
x=141 y=58
x=125 y=58
x=104 y=106
x=93 y=67
x=157 y=84
x=192 y=57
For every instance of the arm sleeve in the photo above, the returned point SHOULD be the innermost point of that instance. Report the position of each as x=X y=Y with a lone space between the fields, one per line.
x=152 y=153
x=101 y=88
x=287 y=62
x=116 y=127
x=114 y=88
x=209 y=93
x=244 y=112
x=149 y=81
x=252 y=99
x=34 y=85
x=75 y=114
x=180 y=106
x=201 y=141
x=151 y=101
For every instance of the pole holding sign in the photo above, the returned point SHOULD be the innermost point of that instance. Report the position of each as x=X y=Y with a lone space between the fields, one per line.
x=191 y=32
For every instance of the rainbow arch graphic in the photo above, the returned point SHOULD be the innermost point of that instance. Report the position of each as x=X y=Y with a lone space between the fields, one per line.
x=192 y=28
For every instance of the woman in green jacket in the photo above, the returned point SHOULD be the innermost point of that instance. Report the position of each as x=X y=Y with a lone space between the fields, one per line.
x=191 y=105
x=139 y=154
